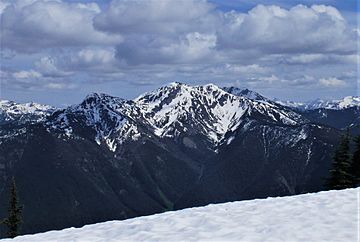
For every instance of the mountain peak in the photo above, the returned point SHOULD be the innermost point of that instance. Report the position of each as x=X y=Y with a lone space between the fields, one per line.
x=245 y=92
x=175 y=84
x=96 y=96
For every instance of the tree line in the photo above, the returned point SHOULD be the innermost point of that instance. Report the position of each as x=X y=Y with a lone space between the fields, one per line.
x=14 y=218
x=345 y=171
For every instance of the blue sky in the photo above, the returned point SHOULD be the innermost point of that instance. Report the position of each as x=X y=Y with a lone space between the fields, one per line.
x=56 y=52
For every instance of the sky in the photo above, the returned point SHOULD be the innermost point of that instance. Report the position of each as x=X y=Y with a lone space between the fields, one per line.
x=56 y=52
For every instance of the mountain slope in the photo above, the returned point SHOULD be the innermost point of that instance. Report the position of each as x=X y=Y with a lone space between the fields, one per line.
x=261 y=159
x=274 y=219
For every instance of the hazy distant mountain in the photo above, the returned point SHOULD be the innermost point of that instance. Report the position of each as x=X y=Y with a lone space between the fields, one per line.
x=347 y=102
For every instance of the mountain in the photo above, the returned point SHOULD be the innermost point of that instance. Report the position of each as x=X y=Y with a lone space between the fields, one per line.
x=236 y=221
x=345 y=103
x=341 y=114
x=213 y=112
x=339 y=118
x=178 y=146
x=15 y=117
x=23 y=113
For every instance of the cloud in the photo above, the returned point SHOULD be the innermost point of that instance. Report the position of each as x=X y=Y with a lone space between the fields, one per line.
x=32 y=26
x=190 y=31
x=332 y=82
x=310 y=59
x=156 y=17
x=274 y=30
x=192 y=47
x=26 y=74
x=53 y=44
x=59 y=86
x=32 y=80
x=3 y=5
x=47 y=66
x=93 y=57
x=94 y=60
x=86 y=64
x=159 y=32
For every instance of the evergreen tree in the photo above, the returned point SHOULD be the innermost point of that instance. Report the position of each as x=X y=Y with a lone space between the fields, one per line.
x=340 y=174
x=13 y=220
x=355 y=165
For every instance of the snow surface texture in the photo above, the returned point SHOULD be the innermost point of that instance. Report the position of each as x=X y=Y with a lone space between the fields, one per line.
x=323 y=216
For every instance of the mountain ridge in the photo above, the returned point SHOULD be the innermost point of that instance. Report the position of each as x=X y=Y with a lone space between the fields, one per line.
x=168 y=110
x=175 y=147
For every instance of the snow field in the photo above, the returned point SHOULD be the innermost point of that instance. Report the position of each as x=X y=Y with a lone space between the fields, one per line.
x=323 y=216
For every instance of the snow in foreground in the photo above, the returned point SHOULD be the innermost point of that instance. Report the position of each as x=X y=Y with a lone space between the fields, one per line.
x=324 y=216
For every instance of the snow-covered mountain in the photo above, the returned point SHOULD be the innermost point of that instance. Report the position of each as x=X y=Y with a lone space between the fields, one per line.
x=26 y=112
x=176 y=147
x=333 y=213
x=211 y=110
x=108 y=119
x=169 y=111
